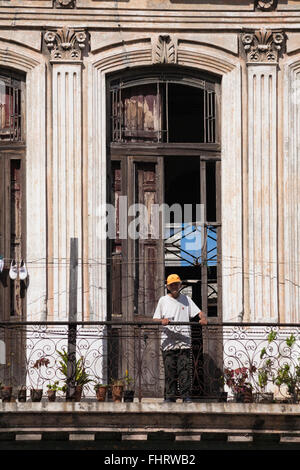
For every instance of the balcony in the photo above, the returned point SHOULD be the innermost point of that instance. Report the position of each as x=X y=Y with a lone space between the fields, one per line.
x=262 y=355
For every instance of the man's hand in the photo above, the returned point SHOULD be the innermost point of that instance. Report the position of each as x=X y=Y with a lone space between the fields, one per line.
x=202 y=319
x=165 y=321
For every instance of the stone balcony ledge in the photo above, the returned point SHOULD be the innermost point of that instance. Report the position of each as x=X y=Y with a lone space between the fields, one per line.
x=145 y=425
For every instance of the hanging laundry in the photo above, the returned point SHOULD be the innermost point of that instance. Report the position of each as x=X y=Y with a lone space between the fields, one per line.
x=13 y=271
x=23 y=271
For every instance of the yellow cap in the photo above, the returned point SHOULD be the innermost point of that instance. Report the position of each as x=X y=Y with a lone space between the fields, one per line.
x=173 y=278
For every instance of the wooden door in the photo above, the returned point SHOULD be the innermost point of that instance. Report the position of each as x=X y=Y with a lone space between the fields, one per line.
x=12 y=237
x=137 y=265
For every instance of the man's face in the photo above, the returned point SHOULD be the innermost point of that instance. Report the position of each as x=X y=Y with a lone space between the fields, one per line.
x=174 y=287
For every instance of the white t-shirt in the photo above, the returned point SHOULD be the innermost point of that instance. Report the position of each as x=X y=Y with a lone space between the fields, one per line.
x=181 y=309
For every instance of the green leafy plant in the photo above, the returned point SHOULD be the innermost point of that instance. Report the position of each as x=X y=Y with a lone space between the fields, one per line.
x=117 y=382
x=264 y=372
x=289 y=374
x=128 y=381
x=54 y=387
x=271 y=337
x=80 y=376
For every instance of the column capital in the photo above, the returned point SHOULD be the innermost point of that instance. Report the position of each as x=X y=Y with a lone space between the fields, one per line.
x=263 y=46
x=66 y=45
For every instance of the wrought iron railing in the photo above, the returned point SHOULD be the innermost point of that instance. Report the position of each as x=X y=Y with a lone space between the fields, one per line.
x=266 y=356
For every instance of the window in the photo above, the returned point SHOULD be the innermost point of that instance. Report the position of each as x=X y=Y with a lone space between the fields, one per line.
x=164 y=149
x=10 y=109
x=163 y=110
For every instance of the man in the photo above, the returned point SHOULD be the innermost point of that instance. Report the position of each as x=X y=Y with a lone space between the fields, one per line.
x=176 y=339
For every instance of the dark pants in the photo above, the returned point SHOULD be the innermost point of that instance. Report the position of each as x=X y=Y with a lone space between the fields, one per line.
x=177 y=365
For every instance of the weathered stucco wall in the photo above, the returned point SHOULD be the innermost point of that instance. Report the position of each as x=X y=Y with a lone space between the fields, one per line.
x=66 y=132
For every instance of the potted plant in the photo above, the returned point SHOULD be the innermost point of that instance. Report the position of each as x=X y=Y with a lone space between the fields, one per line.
x=238 y=381
x=6 y=392
x=22 y=394
x=129 y=391
x=37 y=393
x=117 y=389
x=80 y=377
x=101 y=390
x=52 y=389
x=265 y=374
x=289 y=373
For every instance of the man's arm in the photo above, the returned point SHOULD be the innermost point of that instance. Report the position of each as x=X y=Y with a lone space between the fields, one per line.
x=163 y=321
x=158 y=316
x=202 y=318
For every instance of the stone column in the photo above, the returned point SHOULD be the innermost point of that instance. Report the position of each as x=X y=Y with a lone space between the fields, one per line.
x=290 y=241
x=262 y=51
x=65 y=220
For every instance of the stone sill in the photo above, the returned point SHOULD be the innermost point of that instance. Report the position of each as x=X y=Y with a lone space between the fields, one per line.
x=150 y=407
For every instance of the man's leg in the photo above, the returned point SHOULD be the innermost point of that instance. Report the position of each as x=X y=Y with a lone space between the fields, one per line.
x=184 y=372
x=170 y=366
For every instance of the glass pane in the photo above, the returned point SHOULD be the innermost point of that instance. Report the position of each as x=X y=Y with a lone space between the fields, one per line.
x=212 y=269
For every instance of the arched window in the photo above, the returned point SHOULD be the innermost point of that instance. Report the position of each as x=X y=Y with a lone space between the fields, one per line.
x=164 y=180
x=11 y=122
x=163 y=108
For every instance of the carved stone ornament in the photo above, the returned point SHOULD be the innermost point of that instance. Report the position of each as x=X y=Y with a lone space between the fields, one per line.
x=65 y=44
x=164 y=50
x=64 y=3
x=263 y=46
x=265 y=5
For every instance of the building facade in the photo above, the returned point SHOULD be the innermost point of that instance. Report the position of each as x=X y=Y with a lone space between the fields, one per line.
x=149 y=102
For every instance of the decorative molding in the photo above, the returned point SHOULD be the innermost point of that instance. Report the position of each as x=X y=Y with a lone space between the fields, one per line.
x=64 y=3
x=265 y=5
x=263 y=46
x=165 y=50
x=65 y=44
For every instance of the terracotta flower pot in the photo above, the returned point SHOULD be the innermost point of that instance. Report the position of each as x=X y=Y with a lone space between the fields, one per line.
x=117 y=393
x=6 y=393
x=78 y=392
x=75 y=395
x=36 y=394
x=51 y=395
x=101 y=393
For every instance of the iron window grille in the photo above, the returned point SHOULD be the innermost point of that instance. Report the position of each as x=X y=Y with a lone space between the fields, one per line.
x=10 y=109
x=143 y=110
